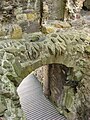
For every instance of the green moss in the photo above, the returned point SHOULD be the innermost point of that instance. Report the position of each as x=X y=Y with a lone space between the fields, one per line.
x=69 y=98
x=87 y=49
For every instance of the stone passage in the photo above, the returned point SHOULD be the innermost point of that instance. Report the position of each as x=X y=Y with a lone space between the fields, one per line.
x=34 y=103
x=19 y=58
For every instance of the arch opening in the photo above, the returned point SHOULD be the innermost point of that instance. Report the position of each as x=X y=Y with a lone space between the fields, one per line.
x=55 y=80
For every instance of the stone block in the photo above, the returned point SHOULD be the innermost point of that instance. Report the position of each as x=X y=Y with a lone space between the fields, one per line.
x=16 y=32
x=2 y=106
x=31 y=16
x=30 y=26
x=62 y=25
x=2 y=31
x=46 y=29
x=87 y=49
x=21 y=17
x=18 y=10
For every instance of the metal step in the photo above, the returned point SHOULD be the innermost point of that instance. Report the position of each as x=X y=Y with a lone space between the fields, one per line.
x=34 y=104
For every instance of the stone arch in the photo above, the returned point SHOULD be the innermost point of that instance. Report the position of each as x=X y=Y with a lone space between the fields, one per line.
x=19 y=58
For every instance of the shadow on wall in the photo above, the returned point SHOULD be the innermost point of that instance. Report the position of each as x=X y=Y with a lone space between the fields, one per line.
x=86 y=5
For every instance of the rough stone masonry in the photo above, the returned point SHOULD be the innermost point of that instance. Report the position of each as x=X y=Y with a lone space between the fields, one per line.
x=21 y=53
x=19 y=58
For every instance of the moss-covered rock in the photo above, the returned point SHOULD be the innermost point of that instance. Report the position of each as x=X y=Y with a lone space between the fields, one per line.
x=61 y=24
x=47 y=29
x=87 y=49
x=31 y=16
x=16 y=32
x=3 y=106
x=68 y=98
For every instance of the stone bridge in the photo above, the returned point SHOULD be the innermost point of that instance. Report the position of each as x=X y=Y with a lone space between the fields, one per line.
x=18 y=58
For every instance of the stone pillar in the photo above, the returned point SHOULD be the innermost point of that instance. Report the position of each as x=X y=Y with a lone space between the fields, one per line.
x=73 y=8
x=56 y=9
x=42 y=75
x=57 y=80
x=46 y=80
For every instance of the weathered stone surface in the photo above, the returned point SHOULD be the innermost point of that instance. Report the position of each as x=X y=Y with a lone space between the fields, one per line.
x=72 y=97
x=87 y=4
x=47 y=29
x=42 y=75
x=30 y=26
x=16 y=32
x=2 y=108
x=19 y=12
x=88 y=49
x=73 y=8
x=54 y=25
x=61 y=24
x=56 y=9
x=56 y=78
x=67 y=46
x=21 y=17
x=31 y=16
x=19 y=58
